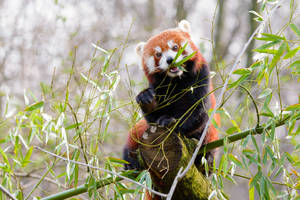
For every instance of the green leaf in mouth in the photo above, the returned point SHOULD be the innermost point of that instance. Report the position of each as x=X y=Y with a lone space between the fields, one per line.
x=181 y=68
x=180 y=64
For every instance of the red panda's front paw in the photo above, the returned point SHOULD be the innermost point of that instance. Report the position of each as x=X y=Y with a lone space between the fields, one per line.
x=131 y=158
x=165 y=121
x=146 y=96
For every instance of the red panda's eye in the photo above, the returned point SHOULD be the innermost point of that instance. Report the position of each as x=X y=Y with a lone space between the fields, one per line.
x=158 y=54
x=175 y=48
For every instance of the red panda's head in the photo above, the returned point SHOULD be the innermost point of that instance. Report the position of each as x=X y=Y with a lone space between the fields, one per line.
x=160 y=50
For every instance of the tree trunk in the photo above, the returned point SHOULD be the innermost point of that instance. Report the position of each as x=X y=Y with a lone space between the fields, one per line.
x=181 y=12
x=219 y=46
x=163 y=154
x=253 y=26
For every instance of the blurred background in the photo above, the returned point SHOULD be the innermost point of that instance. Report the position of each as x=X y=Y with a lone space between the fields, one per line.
x=41 y=41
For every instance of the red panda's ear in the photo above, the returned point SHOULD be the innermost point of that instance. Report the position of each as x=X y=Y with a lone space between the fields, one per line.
x=140 y=48
x=185 y=26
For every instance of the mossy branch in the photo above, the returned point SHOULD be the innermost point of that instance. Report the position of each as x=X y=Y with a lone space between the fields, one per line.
x=168 y=154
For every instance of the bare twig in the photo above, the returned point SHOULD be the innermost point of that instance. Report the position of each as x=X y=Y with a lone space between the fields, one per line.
x=42 y=178
x=105 y=170
x=254 y=103
x=82 y=147
x=35 y=176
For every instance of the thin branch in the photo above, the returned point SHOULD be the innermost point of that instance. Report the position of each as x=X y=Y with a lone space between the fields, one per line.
x=195 y=154
x=82 y=147
x=7 y=193
x=254 y=103
x=274 y=182
x=35 y=176
x=249 y=178
x=105 y=170
x=84 y=188
x=40 y=181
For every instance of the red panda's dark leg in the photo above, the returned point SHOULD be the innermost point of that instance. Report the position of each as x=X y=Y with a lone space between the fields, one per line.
x=131 y=145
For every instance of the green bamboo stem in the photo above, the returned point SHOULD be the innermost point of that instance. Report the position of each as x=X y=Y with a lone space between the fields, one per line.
x=84 y=188
x=243 y=134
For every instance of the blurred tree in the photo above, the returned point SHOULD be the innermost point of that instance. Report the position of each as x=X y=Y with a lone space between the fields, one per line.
x=181 y=11
x=222 y=41
x=151 y=15
x=219 y=29
x=252 y=27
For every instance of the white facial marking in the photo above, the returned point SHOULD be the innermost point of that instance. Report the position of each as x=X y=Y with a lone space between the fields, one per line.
x=163 y=65
x=170 y=43
x=157 y=49
x=163 y=60
x=150 y=64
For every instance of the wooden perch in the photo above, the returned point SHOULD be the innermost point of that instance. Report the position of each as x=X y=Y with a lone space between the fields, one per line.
x=163 y=154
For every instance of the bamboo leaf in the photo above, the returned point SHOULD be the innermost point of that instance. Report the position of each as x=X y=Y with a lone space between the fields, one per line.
x=185 y=59
x=244 y=71
x=267 y=51
x=5 y=158
x=272 y=36
x=35 y=106
x=291 y=53
x=251 y=193
x=277 y=56
x=259 y=17
x=295 y=29
x=264 y=93
x=293 y=107
x=180 y=51
x=117 y=160
x=235 y=160
x=99 y=48
x=27 y=157
x=268 y=45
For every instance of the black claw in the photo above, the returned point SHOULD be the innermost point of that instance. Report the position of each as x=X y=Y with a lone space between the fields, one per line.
x=133 y=162
x=209 y=156
x=165 y=121
x=146 y=96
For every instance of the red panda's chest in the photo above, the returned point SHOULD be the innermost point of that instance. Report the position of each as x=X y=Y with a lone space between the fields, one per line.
x=181 y=94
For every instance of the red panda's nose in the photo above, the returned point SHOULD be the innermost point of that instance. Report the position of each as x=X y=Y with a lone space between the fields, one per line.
x=169 y=60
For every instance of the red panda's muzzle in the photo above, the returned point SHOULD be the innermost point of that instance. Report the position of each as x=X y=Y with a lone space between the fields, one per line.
x=174 y=69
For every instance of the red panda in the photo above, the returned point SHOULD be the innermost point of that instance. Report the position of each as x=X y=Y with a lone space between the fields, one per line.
x=176 y=94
